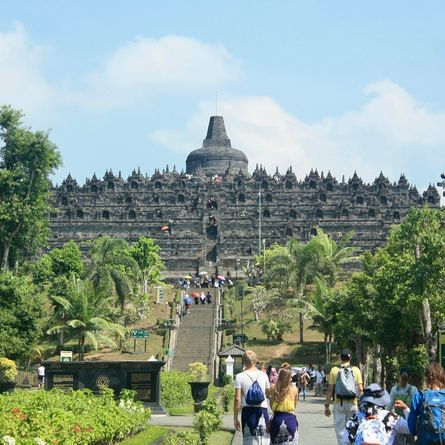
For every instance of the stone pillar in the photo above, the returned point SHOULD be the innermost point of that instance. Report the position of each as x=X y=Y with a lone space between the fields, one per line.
x=229 y=365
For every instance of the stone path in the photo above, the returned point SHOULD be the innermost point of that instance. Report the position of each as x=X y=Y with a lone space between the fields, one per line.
x=314 y=427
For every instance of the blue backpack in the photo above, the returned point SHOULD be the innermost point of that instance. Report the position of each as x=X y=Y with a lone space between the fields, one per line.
x=432 y=418
x=255 y=394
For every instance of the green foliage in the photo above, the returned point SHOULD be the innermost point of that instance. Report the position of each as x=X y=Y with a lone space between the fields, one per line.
x=198 y=372
x=59 y=263
x=227 y=380
x=8 y=370
x=274 y=328
x=415 y=359
x=27 y=159
x=183 y=438
x=20 y=311
x=227 y=395
x=72 y=418
x=85 y=316
x=175 y=390
x=148 y=257
x=208 y=420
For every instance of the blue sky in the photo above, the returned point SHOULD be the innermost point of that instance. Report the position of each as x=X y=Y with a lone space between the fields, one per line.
x=338 y=86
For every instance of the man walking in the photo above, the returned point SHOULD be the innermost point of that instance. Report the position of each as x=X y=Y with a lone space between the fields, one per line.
x=345 y=384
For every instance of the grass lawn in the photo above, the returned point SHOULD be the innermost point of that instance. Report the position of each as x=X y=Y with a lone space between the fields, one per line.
x=154 y=433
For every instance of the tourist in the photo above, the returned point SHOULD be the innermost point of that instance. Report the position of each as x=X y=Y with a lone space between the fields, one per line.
x=253 y=417
x=187 y=303
x=41 y=375
x=319 y=378
x=344 y=385
x=283 y=426
x=196 y=297
x=303 y=382
x=418 y=421
x=209 y=297
x=203 y=298
x=404 y=392
x=373 y=424
x=273 y=376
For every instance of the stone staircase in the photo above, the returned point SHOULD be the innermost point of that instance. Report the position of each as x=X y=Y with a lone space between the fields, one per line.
x=195 y=337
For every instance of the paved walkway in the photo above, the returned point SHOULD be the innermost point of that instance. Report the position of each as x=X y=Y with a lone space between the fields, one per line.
x=314 y=427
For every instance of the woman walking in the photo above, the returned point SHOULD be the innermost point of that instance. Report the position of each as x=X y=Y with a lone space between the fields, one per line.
x=284 y=425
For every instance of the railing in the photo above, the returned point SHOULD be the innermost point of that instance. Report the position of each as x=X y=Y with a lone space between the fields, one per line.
x=216 y=334
x=27 y=379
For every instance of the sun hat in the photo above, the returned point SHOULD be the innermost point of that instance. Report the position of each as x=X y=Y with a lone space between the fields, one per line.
x=375 y=395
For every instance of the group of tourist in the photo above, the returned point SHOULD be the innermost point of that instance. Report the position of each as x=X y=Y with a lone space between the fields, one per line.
x=362 y=416
x=198 y=298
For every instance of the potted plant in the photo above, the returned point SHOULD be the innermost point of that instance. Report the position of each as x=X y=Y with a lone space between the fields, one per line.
x=8 y=374
x=199 y=382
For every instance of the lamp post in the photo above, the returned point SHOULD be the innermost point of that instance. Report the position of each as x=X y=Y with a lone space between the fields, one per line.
x=237 y=263
x=264 y=256
x=259 y=221
x=442 y=183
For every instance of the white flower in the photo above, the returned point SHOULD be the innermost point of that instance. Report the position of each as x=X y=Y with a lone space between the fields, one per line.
x=39 y=441
x=8 y=440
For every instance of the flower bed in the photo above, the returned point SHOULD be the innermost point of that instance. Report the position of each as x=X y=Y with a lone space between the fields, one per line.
x=76 y=418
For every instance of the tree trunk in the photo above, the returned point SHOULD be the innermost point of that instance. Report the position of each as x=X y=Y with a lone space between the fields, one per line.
x=429 y=337
x=301 y=327
x=5 y=256
x=377 y=365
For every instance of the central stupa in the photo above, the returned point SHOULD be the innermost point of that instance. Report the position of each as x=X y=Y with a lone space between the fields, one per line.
x=216 y=156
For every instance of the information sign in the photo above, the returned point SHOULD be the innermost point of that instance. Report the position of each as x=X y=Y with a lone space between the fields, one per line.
x=139 y=333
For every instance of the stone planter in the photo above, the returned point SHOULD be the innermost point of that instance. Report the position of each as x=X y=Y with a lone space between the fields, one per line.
x=200 y=391
x=7 y=387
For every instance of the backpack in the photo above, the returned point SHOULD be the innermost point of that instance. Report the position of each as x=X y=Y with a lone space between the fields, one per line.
x=255 y=394
x=345 y=387
x=432 y=416
x=372 y=431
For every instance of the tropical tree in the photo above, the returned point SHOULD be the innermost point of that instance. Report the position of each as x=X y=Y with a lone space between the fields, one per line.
x=86 y=317
x=26 y=161
x=112 y=269
x=146 y=253
x=20 y=313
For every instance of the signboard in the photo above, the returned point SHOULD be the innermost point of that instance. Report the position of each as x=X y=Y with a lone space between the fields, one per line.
x=442 y=348
x=159 y=295
x=239 y=339
x=139 y=333
x=64 y=382
x=66 y=356
x=141 y=382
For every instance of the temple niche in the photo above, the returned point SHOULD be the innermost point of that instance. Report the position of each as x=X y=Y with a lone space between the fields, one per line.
x=212 y=210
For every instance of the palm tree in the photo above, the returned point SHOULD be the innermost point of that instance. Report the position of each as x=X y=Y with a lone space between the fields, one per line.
x=86 y=316
x=112 y=269
x=319 y=308
x=333 y=255
x=304 y=266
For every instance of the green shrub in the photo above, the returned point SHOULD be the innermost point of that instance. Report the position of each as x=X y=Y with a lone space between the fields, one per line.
x=204 y=423
x=175 y=390
x=79 y=417
x=227 y=395
x=8 y=370
x=184 y=438
x=227 y=379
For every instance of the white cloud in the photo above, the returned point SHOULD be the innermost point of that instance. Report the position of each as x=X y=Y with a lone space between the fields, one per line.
x=391 y=131
x=22 y=84
x=146 y=67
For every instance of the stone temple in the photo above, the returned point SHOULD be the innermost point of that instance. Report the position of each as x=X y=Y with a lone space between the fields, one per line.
x=218 y=215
